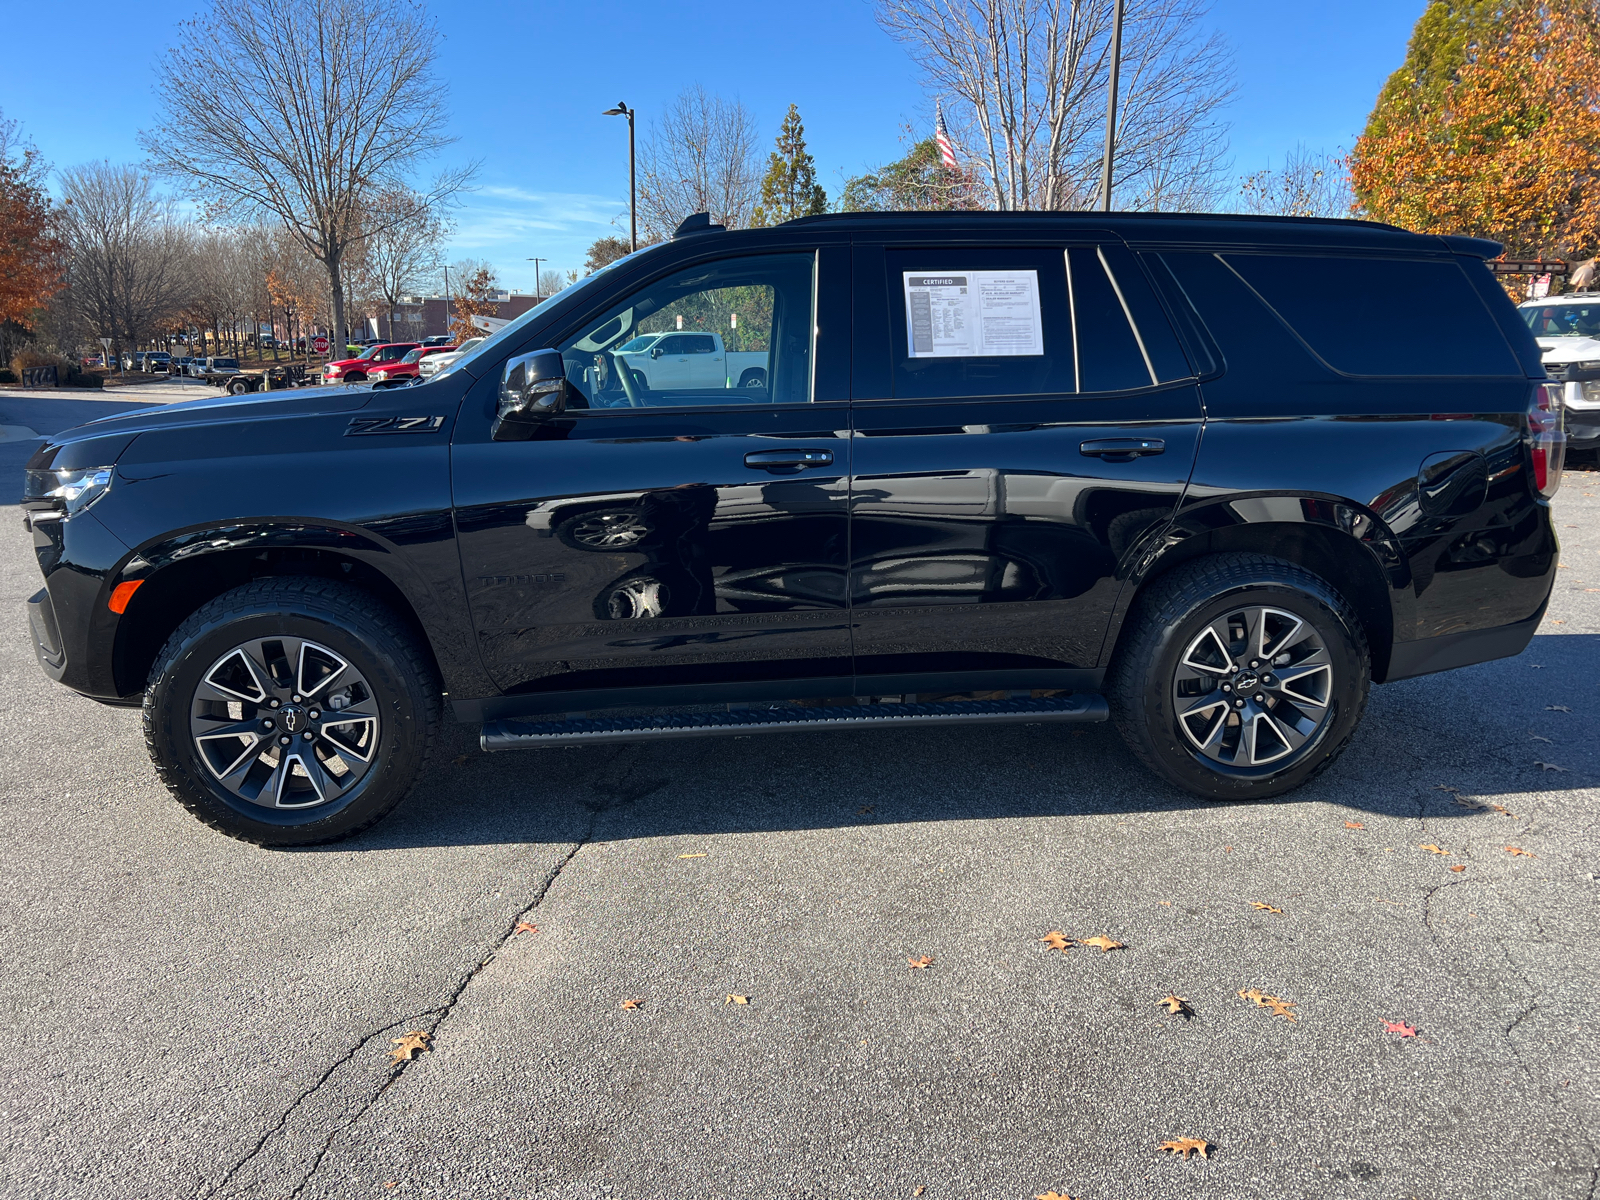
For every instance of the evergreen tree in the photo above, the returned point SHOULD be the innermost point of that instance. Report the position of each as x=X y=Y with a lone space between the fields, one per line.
x=1448 y=35
x=790 y=188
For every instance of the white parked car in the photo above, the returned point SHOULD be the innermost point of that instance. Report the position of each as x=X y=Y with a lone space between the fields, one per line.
x=431 y=365
x=1567 y=329
x=678 y=360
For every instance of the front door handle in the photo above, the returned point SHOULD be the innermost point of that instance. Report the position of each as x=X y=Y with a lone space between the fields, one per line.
x=1122 y=449
x=788 y=458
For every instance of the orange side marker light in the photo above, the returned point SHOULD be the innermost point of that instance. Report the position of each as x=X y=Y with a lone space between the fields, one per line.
x=121 y=594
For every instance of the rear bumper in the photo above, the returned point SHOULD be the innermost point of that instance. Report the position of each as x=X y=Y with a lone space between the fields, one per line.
x=1430 y=655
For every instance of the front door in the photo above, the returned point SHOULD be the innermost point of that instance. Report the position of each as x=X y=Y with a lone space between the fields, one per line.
x=1030 y=429
x=667 y=532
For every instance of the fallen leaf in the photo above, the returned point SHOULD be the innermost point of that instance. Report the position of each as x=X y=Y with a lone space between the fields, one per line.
x=1401 y=1028
x=702 y=854
x=1459 y=867
x=1176 y=1005
x=1057 y=940
x=630 y=1005
x=1227 y=849
x=408 y=1047
x=1253 y=995
x=524 y=927
x=1052 y=1195
x=1559 y=707
x=864 y=810
x=735 y=999
x=1280 y=1007
x=1354 y=825
x=1516 y=850
x=1432 y=849
x=1535 y=737
x=1186 y=1146
x=1550 y=766
x=1259 y=906
x=391 y=1183
x=919 y=1191
x=921 y=964
x=1103 y=942
x=1445 y=787
x=1164 y=903
x=460 y=761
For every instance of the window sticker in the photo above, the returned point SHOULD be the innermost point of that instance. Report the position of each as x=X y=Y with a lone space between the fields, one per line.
x=973 y=314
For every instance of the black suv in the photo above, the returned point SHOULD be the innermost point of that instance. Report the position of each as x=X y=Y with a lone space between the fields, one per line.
x=1207 y=476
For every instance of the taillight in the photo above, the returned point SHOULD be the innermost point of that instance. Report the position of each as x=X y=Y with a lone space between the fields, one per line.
x=1546 y=437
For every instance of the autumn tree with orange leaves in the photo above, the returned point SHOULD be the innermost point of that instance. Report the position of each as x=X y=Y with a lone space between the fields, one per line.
x=32 y=255
x=1504 y=146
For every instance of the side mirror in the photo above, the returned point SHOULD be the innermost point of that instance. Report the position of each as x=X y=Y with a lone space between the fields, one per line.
x=533 y=389
x=656 y=351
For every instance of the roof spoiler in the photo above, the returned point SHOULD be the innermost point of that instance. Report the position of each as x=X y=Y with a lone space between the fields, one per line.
x=1474 y=247
x=698 y=223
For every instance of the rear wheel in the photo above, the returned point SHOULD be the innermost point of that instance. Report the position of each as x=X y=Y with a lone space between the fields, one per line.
x=1241 y=676
x=291 y=711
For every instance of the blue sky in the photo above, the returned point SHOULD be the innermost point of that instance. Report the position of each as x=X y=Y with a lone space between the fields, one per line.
x=528 y=83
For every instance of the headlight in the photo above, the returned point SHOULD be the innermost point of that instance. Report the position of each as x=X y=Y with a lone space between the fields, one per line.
x=332 y=371
x=65 y=492
x=1582 y=395
x=380 y=374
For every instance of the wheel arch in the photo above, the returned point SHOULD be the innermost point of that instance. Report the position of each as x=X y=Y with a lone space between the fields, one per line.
x=178 y=575
x=1337 y=540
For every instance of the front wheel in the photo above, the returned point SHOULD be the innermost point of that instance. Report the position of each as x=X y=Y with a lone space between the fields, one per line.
x=1240 y=676
x=291 y=711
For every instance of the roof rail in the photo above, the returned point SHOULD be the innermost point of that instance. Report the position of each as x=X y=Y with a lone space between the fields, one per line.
x=1091 y=215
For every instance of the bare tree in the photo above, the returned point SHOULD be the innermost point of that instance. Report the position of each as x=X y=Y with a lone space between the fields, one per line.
x=1025 y=84
x=402 y=252
x=699 y=157
x=305 y=109
x=132 y=258
x=1307 y=185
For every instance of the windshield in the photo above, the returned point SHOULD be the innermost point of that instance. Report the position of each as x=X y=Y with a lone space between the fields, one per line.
x=512 y=331
x=1563 y=320
x=412 y=357
x=367 y=353
x=639 y=344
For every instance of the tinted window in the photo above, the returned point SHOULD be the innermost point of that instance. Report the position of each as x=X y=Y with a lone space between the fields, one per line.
x=1110 y=357
x=1378 y=316
x=763 y=302
x=701 y=344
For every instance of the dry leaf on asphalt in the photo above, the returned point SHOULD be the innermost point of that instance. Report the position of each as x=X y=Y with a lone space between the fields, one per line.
x=1280 y=1007
x=1516 y=850
x=1051 y=1195
x=1401 y=1028
x=920 y=1190
x=702 y=854
x=524 y=927
x=1551 y=767
x=1253 y=995
x=1459 y=867
x=864 y=810
x=1260 y=906
x=735 y=999
x=460 y=760
x=1186 y=1146
x=1102 y=941
x=630 y=1005
x=1432 y=849
x=921 y=964
x=1057 y=940
x=1176 y=1005
x=408 y=1047
x=1354 y=825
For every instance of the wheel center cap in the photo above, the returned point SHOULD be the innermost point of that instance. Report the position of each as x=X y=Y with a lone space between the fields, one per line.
x=293 y=718
x=1246 y=681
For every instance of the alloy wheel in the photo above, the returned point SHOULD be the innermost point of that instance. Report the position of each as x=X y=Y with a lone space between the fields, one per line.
x=285 y=723
x=1253 y=688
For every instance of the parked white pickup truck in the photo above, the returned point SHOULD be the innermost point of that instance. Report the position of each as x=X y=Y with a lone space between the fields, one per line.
x=680 y=359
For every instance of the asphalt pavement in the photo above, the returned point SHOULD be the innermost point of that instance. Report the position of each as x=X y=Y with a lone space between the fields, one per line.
x=186 y=1015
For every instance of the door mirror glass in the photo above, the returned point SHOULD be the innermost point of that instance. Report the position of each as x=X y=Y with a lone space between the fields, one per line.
x=533 y=389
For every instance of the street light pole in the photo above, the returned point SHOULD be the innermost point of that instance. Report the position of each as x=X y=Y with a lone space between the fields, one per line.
x=1111 y=110
x=622 y=110
x=536 y=262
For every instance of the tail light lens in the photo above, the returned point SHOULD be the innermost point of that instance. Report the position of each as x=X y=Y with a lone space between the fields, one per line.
x=1547 y=438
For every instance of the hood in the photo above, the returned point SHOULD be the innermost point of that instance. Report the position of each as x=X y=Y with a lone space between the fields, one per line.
x=1569 y=349
x=104 y=440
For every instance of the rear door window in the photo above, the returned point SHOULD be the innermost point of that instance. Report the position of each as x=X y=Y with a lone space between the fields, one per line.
x=1381 y=316
x=1025 y=322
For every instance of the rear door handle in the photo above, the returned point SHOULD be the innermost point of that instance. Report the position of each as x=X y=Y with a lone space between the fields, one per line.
x=788 y=458
x=1122 y=449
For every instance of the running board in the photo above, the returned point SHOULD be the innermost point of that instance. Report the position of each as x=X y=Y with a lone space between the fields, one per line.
x=537 y=735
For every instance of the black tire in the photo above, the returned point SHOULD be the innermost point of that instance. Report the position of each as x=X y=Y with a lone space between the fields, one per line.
x=394 y=668
x=238 y=387
x=753 y=377
x=1171 y=619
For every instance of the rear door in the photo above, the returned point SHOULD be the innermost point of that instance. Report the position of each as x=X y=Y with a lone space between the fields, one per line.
x=1024 y=424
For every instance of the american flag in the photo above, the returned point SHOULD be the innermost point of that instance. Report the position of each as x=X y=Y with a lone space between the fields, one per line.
x=947 y=152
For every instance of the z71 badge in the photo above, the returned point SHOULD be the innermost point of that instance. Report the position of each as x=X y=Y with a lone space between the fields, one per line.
x=361 y=425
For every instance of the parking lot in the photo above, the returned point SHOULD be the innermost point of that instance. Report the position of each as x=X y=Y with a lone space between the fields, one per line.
x=191 y=1016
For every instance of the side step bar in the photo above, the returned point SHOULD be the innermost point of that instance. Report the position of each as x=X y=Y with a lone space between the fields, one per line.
x=537 y=735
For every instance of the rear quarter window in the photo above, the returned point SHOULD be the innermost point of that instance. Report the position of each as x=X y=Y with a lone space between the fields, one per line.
x=1381 y=316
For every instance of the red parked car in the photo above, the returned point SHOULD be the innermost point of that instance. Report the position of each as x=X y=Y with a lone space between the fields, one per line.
x=354 y=370
x=406 y=369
